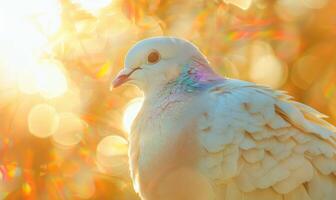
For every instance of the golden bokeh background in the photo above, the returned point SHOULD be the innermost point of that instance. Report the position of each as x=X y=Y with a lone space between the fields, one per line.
x=63 y=133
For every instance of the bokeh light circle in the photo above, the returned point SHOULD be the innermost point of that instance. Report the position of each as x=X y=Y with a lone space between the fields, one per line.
x=268 y=70
x=112 y=155
x=43 y=120
x=112 y=145
x=70 y=130
x=83 y=185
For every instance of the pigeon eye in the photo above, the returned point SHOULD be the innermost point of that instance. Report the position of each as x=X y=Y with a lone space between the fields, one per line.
x=153 y=57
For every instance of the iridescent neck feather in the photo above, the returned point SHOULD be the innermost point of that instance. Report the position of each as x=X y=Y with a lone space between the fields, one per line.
x=197 y=75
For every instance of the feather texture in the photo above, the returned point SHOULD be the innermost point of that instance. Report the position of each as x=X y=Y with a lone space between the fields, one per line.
x=284 y=143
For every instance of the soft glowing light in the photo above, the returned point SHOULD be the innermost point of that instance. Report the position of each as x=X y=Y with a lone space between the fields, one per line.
x=70 y=130
x=51 y=80
x=24 y=30
x=93 y=5
x=69 y=102
x=26 y=188
x=83 y=185
x=112 y=155
x=304 y=71
x=131 y=112
x=46 y=78
x=48 y=16
x=43 y=120
x=20 y=56
x=112 y=146
x=290 y=10
x=2 y=22
x=7 y=97
x=243 y=4
x=268 y=70
x=12 y=170
x=31 y=13
x=315 y=4
x=28 y=24
x=27 y=82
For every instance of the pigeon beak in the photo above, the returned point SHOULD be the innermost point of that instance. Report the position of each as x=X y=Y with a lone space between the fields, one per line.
x=123 y=77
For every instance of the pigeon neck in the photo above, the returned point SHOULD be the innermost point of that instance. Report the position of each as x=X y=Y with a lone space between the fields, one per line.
x=197 y=75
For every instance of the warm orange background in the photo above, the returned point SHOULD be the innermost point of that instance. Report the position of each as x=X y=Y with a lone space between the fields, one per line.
x=63 y=133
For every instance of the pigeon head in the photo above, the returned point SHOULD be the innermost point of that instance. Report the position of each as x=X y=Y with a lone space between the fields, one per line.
x=154 y=62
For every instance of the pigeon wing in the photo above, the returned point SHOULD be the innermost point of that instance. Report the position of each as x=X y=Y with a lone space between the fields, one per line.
x=260 y=144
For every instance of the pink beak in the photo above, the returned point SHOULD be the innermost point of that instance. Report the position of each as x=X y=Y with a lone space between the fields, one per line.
x=123 y=77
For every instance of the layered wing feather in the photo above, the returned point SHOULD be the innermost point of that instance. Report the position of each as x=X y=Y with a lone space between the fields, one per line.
x=259 y=141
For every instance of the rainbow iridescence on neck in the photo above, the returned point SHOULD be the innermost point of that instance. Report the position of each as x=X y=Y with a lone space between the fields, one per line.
x=197 y=75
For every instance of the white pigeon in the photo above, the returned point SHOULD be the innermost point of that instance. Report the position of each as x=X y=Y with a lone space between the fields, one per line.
x=200 y=136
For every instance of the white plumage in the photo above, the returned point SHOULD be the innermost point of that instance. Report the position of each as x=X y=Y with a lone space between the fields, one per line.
x=200 y=136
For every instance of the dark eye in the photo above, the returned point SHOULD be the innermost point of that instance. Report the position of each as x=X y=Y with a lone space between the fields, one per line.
x=153 y=57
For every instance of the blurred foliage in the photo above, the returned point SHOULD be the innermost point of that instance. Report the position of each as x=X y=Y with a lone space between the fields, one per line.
x=62 y=134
